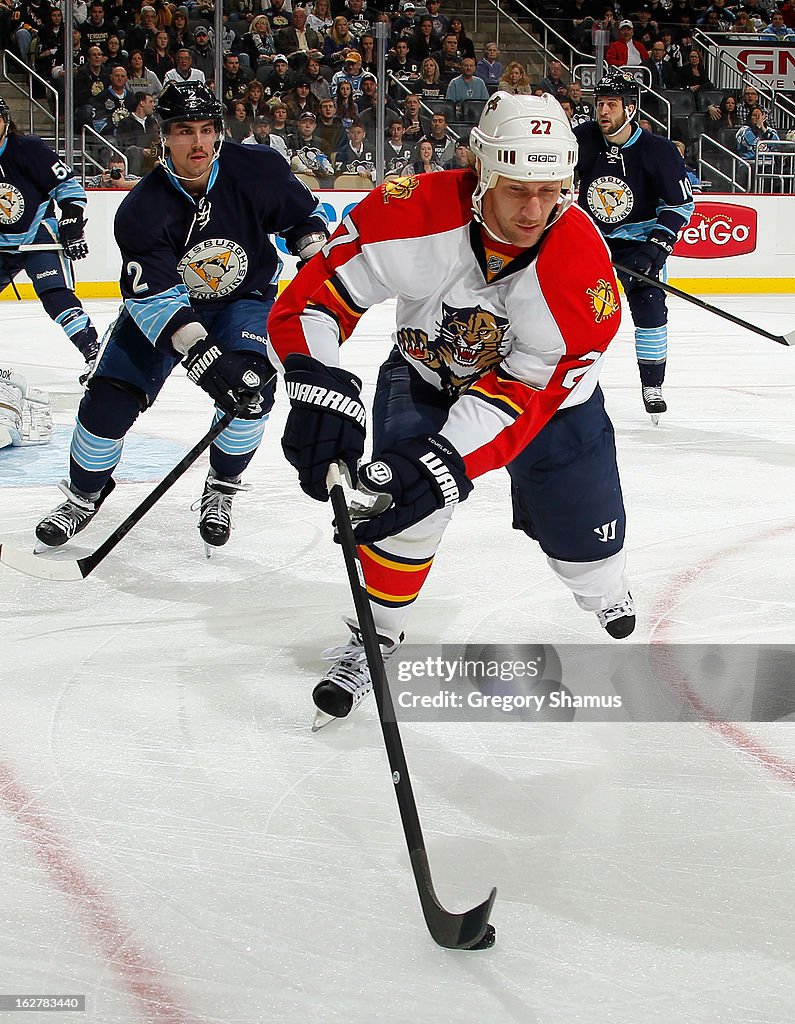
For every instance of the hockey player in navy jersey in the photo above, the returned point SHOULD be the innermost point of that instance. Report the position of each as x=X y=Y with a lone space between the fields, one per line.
x=199 y=275
x=635 y=186
x=32 y=179
x=495 y=364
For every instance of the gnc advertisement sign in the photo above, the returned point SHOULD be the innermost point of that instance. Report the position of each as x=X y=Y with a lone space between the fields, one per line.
x=717 y=230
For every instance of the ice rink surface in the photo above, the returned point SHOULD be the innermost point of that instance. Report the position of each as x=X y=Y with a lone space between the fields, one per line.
x=176 y=845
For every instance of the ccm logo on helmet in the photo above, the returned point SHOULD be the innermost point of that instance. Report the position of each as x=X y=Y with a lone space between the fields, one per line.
x=541 y=158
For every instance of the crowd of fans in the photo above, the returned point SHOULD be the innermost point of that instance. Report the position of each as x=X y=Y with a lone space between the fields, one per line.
x=302 y=79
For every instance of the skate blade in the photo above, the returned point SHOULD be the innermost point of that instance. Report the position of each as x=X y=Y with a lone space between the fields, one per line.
x=655 y=419
x=322 y=720
x=40 y=547
x=208 y=549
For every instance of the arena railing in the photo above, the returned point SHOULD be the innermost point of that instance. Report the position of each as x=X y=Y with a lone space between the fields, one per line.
x=50 y=115
x=774 y=167
x=87 y=158
x=739 y=168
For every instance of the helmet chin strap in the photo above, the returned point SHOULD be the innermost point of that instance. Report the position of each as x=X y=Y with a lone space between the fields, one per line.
x=627 y=120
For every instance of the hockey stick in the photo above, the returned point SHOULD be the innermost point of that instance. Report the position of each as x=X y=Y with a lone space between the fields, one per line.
x=79 y=568
x=41 y=247
x=780 y=339
x=453 y=931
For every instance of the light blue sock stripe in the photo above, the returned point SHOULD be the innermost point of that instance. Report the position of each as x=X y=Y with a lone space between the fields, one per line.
x=651 y=343
x=92 y=453
x=241 y=437
x=72 y=326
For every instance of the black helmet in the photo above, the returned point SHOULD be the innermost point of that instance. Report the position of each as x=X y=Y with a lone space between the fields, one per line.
x=189 y=101
x=618 y=83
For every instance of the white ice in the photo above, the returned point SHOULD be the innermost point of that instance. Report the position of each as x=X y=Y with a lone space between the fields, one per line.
x=176 y=844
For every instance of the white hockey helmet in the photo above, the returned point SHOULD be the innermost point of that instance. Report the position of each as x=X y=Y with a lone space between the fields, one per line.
x=524 y=138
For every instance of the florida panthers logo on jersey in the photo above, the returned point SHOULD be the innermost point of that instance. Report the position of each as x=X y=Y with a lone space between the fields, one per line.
x=610 y=199
x=468 y=343
x=12 y=204
x=213 y=268
x=603 y=300
x=399 y=188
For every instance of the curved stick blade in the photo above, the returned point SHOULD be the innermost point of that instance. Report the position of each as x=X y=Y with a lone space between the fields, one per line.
x=42 y=568
x=452 y=931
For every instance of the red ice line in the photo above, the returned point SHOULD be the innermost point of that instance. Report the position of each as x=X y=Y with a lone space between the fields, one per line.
x=130 y=962
x=780 y=769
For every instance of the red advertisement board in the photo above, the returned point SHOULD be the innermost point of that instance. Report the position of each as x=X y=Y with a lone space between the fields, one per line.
x=718 y=230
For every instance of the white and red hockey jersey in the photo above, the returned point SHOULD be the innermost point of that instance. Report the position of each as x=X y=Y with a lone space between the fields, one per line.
x=512 y=337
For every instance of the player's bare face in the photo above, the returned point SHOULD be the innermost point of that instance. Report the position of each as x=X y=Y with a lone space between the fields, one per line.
x=610 y=114
x=518 y=211
x=191 y=145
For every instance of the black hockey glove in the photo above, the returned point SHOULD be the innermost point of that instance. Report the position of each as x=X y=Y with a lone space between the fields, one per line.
x=651 y=256
x=425 y=475
x=232 y=379
x=326 y=422
x=72 y=232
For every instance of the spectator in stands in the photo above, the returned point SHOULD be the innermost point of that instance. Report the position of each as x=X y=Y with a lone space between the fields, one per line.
x=237 y=124
x=255 y=99
x=234 y=80
x=465 y=45
x=368 y=106
x=685 y=37
x=329 y=126
x=308 y=152
x=424 y=41
x=97 y=29
x=466 y=86
x=181 y=36
x=441 y=24
x=757 y=13
x=750 y=135
x=351 y=72
x=693 y=76
x=777 y=29
x=298 y=40
x=113 y=105
x=461 y=157
x=426 y=161
x=729 y=116
x=553 y=82
x=397 y=152
x=626 y=52
x=137 y=133
x=489 y=67
x=338 y=43
x=158 y=58
x=114 y=54
x=404 y=24
x=317 y=83
x=261 y=136
x=443 y=145
x=320 y=18
x=744 y=25
x=663 y=75
x=90 y=81
x=202 y=53
x=515 y=80
x=277 y=15
x=646 y=29
x=58 y=73
x=142 y=35
x=692 y=176
x=360 y=18
x=428 y=85
x=568 y=108
x=583 y=111
x=607 y=23
x=750 y=99
x=577 y=18
x=115 y=176
x=673 y=51
x=403 y=67
x=367 y=50
x=300 y=100
x=258 y=45
x=717 y=17
x=278 y=78
x=448 y=58
x=279 y=126
x=140 y=78
x=347 y=111
x=414 y=123
x=50 y=51
x=183 y=70
x=355 y=156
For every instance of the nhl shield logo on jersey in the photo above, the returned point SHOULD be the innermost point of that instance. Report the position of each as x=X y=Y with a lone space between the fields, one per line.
x=610 y=199
x=213 y=268
x=12 y=204
x=399 y=188
x=469 y=342
x=603 y=300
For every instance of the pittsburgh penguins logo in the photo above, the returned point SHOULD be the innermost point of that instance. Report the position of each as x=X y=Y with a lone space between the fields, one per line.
x=12 y=204
x=610 y=199
x=213 y=268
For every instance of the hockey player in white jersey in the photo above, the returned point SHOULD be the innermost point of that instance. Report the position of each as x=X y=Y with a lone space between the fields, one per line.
x=495 y=364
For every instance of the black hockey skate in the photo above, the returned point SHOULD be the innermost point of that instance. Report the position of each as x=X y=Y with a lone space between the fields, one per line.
x=348 y=682
x=71 y=517
x=654 y=403
x=619 y=618
x=215 y=510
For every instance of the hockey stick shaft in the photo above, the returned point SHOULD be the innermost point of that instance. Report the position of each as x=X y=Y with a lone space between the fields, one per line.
x=454 y=931
x=40 y=247
x=70 y=571
x=780 y=339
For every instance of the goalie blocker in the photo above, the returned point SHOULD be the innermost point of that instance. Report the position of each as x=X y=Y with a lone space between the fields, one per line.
x=25 y=412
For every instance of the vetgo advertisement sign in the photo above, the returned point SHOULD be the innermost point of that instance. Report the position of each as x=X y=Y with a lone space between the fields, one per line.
x=718 y=230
